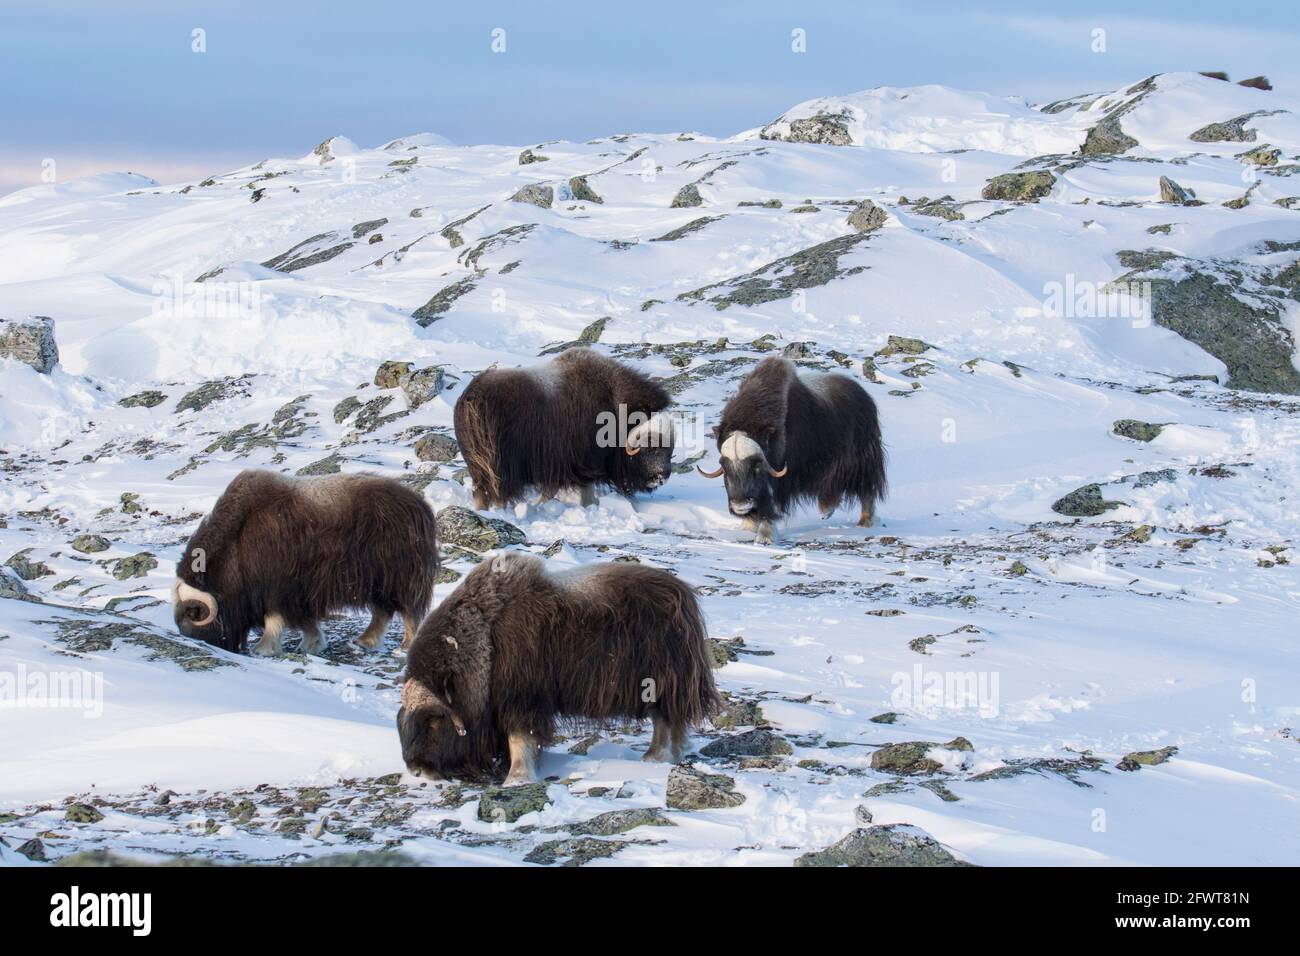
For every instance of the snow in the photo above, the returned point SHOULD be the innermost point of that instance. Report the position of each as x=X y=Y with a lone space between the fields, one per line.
x=1097 y=642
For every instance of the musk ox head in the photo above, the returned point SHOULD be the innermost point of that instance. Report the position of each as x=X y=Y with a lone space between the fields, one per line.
x=748 y=475
x=196 y=612
x=445 y=723
x=650 y=445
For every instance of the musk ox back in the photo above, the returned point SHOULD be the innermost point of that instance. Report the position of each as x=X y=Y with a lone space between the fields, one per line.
x=517 y=647
x=279 y=552
x=581 y=420
x=786 y=437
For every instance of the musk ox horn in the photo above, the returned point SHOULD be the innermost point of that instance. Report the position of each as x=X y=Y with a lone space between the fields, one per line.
x=630 y=448
x=183 y=593
x=709 y=474
x=777 y=474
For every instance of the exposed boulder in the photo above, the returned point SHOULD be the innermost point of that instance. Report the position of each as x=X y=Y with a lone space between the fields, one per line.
x=436 y=446
x=528 y=157
x=469 y=529
x=391 y=374
x=135 y=566
x=1146 y=758
x=148 y=399
x=691 y=789
x=751 y=743
x=1085 y=502
x=27 y=569
x=687 y=197
x=580 y=190
x=867 y=216
x=827 y=129
x=442 y=301
x=893 y=845
x=1136 y=430
x=422 y=385
x=1020 y=187
x=30 y=341
x=539 y=194
x=910 y=758
x=508 y=804
x=1256 y=83
x=90 y=543
x=1170 y=191
x=363 y=228
x=1107 y=138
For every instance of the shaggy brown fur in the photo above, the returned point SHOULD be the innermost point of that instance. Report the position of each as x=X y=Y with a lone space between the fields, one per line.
x=823 y=429
x=538 y=428
x=516 y=646
x=276 y=552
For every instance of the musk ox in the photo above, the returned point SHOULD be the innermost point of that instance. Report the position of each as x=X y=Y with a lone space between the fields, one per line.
x=579 y=421
x=279 y=552
x=786 y=437
x=517 y=647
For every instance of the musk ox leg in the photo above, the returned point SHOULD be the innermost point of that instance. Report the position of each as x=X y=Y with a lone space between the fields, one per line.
x=523 y=758
x=480 y=501
x=827 y=506
x=587 y=495
x=374 y=631
x=269 y=643
x=411 y=623
x=661 y=740
x=312 y=640
x=868 y=517
x=762 y=529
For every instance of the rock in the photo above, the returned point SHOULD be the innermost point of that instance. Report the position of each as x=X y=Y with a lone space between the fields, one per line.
x=681 y=232
x=528 y=157
x=1020 y=187
x=1138 y=431
x=909 y=757
x=33 y=849
x=30 y=341
x=1256 y=83
x=26 y=569
x=827 y=129
x=867 y=216
x=1085 y=502
x=1261 y=156
x=82 y=813
x=1107 y=138
x=799 y=351
x=329 y=465
x=1170 y=191
x=781 y=278
x=687 y=197
x=369 y=226
x=893 y=845
x=620 y=821
x=130 y=503
x=869 y=370
x=135 y=566
x=461 y=526
x=902 y=345
x=691 y=789
x=207 y=393
x=436 y=447
x=90 y=543
x=12 y=587
x=1146 y=758
x=149 y=399
x=539 y=194
x=751 y=743
x=345 y=408
x=889 y=717
x=508 y=804
x=582 y=191
x=1229 y=131
x=390 y=374
x=573 y=852
x=423 y=384
x=442 y=301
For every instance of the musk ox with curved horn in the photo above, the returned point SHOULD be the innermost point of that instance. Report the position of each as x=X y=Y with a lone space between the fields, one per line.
x=279 y=552
x=517 y=646
x=581 y=420
x=787 y=437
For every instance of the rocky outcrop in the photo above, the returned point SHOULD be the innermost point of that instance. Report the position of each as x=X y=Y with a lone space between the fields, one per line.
x=751 y=743
x=911 y=757
x=436 y=447
x=539 y=194
x=30 y=341
x=508 y=804
x=1171 y=192
x=1229 y=131
x=528 y=157
x=581 y=190
x=1020 y=187
x=469 y=529
x=692 y=789
x=893 y=845
x=687 y=197
x=1107 y=138
x=1085 y=502
x=442 y=301
x=826 y=129
x=781 y=278
x=867 y=217
x=1136 y=430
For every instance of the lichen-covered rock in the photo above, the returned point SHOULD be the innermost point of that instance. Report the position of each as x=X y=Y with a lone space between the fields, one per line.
x=909 y=758
x=329 y=465
x=1146 y=758
x=436 y=446
x=1261 y=156
x=867 y=216
x=893 y=845
x=12 y=587
x=423 y=385
x=390 y=374
x=903 y=345
x=1107 y=138
x=528 y=157
x=90 y=543
x=539 y=194
x=30 y=341
x=508 y=804
x=200 y=398
x=751 y=743
x=442 y=301
x=345 y=408
x=27 y=569
x=691 y=789
x=82 y=813
x=1020 y=187
x=135 y=566
x=620 y=821
x=469 y=529
x=827 y=129
x=687 y=197
x=1229 y=131
x=147 y=399
x=362 y=229
x=1136 y=430
x=581 y=190
x=1171 y=192
x=574 y=852
x=1085 y=502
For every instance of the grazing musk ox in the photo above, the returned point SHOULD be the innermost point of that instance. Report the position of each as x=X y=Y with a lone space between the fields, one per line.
x=516 y=646
x=579 y=421
x=787 y=437
x=279 y=552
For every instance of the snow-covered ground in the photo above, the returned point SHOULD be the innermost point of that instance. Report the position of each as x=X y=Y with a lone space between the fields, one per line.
x=1166 y=621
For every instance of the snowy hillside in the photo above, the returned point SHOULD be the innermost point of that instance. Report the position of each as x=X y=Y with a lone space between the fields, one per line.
x=1077 y=319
